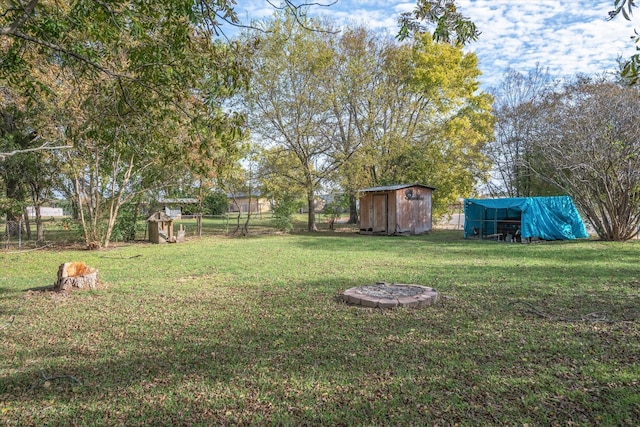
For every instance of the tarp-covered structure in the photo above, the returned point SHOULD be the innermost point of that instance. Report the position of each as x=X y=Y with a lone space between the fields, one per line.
x=547 y=218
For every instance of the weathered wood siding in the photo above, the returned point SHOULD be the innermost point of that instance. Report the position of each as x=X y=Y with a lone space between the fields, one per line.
x=403 y=211
x=366 y=213
x=413 y=210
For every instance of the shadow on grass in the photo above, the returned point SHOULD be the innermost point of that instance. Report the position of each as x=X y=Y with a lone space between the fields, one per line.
x=299 y=357
x=264 y=348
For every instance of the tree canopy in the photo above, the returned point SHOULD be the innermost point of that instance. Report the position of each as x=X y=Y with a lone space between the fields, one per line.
x=518 y=98
x=579 y=139
x=586 y=143
x=357 y=111
x=133 y=89
x=432 y=121
x=630 y=67
x=442 y=19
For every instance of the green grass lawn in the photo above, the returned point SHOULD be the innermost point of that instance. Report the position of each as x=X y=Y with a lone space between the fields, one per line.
x=65 y=232
x=237 y=331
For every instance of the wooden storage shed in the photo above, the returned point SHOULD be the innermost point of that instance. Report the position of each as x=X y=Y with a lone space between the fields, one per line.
x=396 y=209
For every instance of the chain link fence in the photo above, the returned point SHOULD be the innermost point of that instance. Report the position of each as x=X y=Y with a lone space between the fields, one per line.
x=13 y=234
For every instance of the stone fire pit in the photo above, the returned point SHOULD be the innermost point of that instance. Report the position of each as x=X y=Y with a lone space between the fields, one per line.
x=387 y=295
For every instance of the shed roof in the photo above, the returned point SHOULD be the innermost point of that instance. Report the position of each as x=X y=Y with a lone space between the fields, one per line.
x=394 y=187
x=159 y=217
x=182 y=201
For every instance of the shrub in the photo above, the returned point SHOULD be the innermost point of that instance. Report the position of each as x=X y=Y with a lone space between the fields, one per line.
x=283 y=209
x=215 y=204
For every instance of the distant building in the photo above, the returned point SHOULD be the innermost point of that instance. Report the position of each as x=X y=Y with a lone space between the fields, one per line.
x=45 y=212
x=173 y=207
x=243 y=202
x=318 y=205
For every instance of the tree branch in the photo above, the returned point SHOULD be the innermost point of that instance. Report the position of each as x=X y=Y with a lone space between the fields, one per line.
x=55 y=47
x=29 y=150
x=27 y=11
x=295 y=9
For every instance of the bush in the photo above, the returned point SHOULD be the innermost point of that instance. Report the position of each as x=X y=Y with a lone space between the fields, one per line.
x=283 y=209
x=215 y=204
x=338 y=205
x=127 y=224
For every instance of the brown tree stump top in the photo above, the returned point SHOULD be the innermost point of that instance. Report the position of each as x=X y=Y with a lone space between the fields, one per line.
x=76 y=275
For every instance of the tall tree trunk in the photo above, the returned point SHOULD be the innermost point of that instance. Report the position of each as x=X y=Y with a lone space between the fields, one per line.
x=245 y=228
x=117 y=199
x=39 y=226
x=234 y=201
x=237 y=229
x=38 y=200
x=27 y=223
x=14 y=217
x=131 y=234
x=311 y=223
x=111 y=222
x=78 y=196
x=353 y=208
x=75 y=209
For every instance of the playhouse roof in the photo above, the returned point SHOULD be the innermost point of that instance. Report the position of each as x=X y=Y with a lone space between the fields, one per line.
x=159 y=217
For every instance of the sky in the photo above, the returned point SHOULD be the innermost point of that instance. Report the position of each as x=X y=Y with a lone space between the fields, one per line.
x=565 y=37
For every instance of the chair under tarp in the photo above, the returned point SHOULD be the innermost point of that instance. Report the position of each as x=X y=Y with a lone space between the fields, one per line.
x=547 y=218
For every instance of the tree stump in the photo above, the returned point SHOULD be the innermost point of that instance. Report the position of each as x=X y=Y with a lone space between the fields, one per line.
x=76 y=275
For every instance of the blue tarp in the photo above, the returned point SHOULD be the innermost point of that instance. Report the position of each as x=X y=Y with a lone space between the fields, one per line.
x=548 y=218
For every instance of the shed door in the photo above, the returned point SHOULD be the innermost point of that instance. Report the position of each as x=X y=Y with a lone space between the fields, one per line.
x=380 y=213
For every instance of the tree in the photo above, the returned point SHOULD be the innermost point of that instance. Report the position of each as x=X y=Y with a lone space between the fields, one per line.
x=590 y=144
x=279 y=181
x=392 y=114
x=517 y=101
x=140 y=90
x=12 y=134
x=353 y=87
x=285 y=103
x=27 y=169
x=630 y=68
x=113 y=163
x=432 y=122
x=449 y=25
x=216 y=203
x=359 y=112
x=143 y=84
x=84 y=34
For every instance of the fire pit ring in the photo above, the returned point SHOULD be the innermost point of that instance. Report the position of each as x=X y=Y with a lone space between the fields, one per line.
x=387 y=295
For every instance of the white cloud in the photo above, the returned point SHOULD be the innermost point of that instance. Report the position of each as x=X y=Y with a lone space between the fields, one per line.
x=567 y=36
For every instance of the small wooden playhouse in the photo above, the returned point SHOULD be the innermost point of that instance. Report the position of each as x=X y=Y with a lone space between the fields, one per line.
x=396 y=209
x=160 y=227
